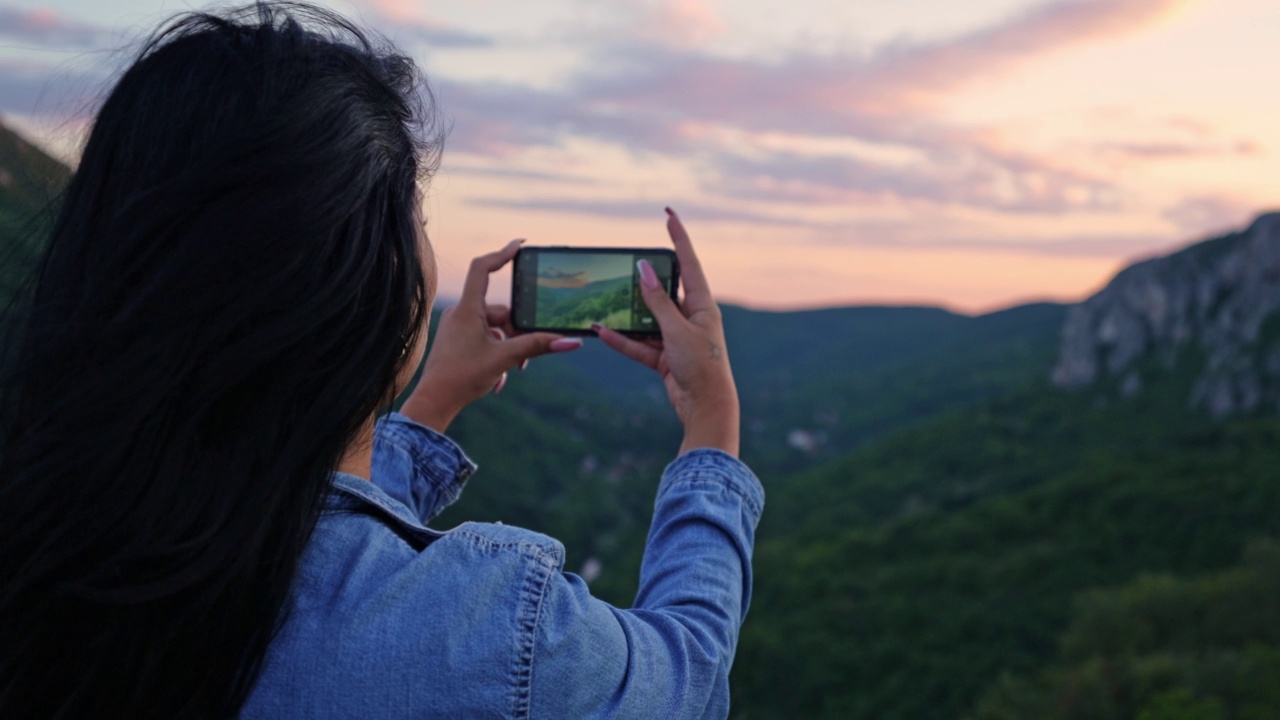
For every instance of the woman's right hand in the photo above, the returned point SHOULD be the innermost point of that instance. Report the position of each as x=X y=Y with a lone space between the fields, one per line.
x=691 y=356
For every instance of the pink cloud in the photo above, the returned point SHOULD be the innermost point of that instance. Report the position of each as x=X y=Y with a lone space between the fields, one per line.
x=398 y=10
x=683 y=23
x=660 y=98
x=1202 y=214
x=994 y=181
x=1176 y=150
x=46 y=27
x=901 y=79
x=406 y=18
x=915 y=74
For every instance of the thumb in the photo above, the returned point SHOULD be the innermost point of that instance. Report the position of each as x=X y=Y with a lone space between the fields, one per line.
x=656 y=298
x=522 y=347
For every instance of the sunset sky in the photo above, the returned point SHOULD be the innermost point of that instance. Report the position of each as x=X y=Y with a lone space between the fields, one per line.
x=972 y=154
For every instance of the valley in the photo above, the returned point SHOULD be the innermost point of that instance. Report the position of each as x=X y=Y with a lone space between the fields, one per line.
x=1057 y=512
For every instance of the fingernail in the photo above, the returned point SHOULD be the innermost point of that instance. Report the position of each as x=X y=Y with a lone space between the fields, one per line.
x=648 y=278
x=596 y=328
x=502 y=382
x=670 y=212
x=524 y=364
x=566 y=344
x=518 y=241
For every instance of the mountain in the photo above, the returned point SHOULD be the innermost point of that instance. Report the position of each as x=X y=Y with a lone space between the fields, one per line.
x=817 y=383
x=602 y=300
x=1071 y=549
x=587 y=289
x=1051 y=512
x=574 y=445
x=1213 y=304
x=1208 y=644
x=29 y=181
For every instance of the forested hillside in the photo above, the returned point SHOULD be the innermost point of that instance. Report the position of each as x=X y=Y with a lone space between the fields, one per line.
x=908 y=579
x=29 y=180
x=1055 y=553
x=815 y=384
x=29 y=183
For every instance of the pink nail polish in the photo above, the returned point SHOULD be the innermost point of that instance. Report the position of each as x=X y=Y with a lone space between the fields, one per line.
x=524 y=364
x=565 y=344
x=648 y=278
x=502 y=382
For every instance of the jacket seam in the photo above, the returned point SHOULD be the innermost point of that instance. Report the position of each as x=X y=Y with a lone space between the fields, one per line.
x=397 y=435
x=421 y=464
x=720 y=482
x=537 y=552
x=534 y=593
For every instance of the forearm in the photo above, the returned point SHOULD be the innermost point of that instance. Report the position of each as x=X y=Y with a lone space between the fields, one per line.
x=698 y=553
x=670 y=654
x=696 y=574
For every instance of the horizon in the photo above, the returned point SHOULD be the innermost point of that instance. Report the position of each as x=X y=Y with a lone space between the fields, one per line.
x=973 y=159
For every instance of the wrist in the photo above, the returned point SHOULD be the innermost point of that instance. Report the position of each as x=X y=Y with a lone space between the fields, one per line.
x=423 y=409
x=717 y=428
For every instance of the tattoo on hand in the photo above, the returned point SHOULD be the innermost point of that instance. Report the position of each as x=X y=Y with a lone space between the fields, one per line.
x=717 y=351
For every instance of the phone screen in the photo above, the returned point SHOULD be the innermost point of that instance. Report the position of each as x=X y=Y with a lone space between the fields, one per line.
x=568 y=289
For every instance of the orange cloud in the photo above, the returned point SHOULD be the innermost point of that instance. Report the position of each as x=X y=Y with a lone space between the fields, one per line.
x=553 y=278
x=680 y=22
x=398 y=10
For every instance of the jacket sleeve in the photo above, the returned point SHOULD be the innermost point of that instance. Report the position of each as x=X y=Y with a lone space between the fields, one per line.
x=418 y=466
x=669 y=656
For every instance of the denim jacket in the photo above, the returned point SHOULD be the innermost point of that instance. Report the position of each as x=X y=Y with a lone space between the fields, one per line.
x=390 y=619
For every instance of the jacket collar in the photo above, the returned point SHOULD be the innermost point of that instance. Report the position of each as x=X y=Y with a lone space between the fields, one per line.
x=364 y=495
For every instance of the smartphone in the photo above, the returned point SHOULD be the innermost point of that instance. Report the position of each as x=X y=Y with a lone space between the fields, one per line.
x=566 y=289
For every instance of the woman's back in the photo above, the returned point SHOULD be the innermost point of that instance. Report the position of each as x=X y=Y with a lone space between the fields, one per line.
x=389 y=619
x=203 y=515
x=201 y=346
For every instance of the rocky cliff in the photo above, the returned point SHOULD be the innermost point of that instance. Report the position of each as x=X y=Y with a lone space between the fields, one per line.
x=1212 y=307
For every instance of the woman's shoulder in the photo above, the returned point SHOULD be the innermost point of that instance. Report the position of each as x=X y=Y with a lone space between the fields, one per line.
x=498 y=540
x=432 y=621
x=375 y=521
x=358 y=549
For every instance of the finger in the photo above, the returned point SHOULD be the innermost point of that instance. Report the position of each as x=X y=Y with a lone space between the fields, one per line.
x=499 y=316
x=477 y=282
x=697 y=293
x=642 y=352
x=657 y=300
x=522 y=347
x=502 y=382
x=497 y=334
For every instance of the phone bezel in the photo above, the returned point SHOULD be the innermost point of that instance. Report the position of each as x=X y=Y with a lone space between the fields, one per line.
x=561 y=249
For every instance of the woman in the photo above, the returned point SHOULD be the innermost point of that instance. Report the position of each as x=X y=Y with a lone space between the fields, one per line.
x=202 y=513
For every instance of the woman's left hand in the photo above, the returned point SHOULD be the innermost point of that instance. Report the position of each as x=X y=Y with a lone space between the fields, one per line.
x=474 y=348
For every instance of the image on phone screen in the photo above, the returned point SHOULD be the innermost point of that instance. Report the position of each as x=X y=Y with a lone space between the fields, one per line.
x=565 y=290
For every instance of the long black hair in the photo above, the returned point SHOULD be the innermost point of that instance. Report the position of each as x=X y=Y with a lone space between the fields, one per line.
x=234 y=273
